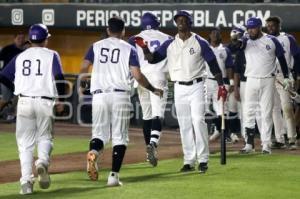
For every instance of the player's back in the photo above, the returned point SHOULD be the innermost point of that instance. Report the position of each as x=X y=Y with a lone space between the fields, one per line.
x=111 y=65
x=34 y=72
x=154 y=38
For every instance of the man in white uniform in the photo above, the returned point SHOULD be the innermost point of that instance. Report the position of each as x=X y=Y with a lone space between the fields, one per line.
x=153 y=107
x=114 y=61
x=34 y=72
x=261 y=51
x=186 y=56
x=225 y=62
x=282 y=99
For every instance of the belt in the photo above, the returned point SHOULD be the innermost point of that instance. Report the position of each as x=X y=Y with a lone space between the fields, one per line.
x=101 y=91
x=195 y=81
x=42 y=97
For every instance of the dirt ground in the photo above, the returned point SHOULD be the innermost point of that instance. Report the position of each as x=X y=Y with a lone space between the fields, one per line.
x=170 y=147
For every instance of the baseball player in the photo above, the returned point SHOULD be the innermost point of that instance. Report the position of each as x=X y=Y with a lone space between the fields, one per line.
x=225 y=62
x=34 y=72
x=282 y=98
x=186 y=55
x=261 y=51
x=114 y=61
x=153 y=107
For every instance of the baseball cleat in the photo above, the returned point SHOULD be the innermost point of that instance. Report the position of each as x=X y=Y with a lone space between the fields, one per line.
x=43 y=176
x=92 y=167
x=202 y=168
x=234 y=138
x=293 y=146
x=266 y=150
x=214 y=136
x=278 y=145
x=247 y=149
x=151 y=150
x=187 y=168
x=113 y=180
x=26 y=188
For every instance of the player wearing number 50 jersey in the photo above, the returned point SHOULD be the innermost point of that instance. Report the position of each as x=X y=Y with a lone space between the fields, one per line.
x=34 y=72
x=153 y=107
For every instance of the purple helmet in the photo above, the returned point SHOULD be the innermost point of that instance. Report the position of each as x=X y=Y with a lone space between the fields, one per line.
x=254 y=22
x=185 y=14
x=38 y=32
x=149 y=21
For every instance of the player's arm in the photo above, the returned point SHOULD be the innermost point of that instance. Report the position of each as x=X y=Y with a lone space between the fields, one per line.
x=279 y=52
x=295 y=51
x=138 y=75
x=7 y=75
x=84 y=68
x=59 y=81
x=158 y=55
x=237 y=70
x=229 y=69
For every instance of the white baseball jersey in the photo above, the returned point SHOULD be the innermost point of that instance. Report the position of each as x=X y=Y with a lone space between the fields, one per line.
x=111 y=59
x=186 y=59
x=154 y=39
x=224 y=60
x=33 y=72
x=261 y=56
x=290 y=47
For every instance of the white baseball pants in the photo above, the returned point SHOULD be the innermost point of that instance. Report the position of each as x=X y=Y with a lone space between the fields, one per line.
x=190 y=109
x=34 y=127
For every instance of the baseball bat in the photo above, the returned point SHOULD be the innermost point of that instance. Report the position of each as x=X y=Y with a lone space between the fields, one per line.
x=291 y=92
x=223 y=142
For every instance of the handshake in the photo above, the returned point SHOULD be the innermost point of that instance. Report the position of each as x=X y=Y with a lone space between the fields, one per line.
x=141 y=42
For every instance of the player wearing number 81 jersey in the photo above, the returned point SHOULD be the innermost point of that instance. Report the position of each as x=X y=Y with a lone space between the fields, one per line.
x=153 y=107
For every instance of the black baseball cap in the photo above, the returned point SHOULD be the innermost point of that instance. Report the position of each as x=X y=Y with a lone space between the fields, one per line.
x=116 y=24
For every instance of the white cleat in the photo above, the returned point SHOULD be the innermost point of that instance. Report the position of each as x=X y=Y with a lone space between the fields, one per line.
x=113 y=180
x=234 y=138
x=247 y=149
x=266 y=149
x=26 y=188
x=43 y=176
x=214 y=136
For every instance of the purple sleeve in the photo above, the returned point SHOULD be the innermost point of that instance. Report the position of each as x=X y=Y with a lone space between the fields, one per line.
x=228 y=61
x=131 y=41
x=90 y=54
x=10 y=69
x=56 y=65
x=279 y=51
x=133 y=58
x=206 y=51
x=293 y=45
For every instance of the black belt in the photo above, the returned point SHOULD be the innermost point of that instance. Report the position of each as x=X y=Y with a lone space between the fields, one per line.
x=101 y=91
x=42 y=97
x=190 y=82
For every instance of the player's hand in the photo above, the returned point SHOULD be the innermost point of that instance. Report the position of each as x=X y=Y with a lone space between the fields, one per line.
x=237 y=94
x=286 y=84
x=158 y=92
x=222 y=93
x=59 y=107
x=140 y=42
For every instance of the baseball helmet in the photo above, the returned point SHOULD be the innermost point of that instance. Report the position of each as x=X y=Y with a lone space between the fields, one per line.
x=149 y=21
x=237 y=32
x=185 y=14
x=38 y=32
x=254 y=22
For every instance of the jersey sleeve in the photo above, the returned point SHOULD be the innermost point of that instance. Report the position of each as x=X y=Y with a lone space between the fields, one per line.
x=56 y=65
x=293 y=45
x=131 y=41
x=133 y=58
x=90 y=54
x=279 y=51
x=161 y=52
x=228 y=61
x=206 y=51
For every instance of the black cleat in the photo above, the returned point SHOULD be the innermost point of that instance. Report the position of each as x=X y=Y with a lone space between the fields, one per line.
x=187 y=168
x=202 y=168
x=278 y=145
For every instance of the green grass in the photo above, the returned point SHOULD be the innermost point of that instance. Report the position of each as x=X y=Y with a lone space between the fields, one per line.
x=62 y=145
x=254 y=176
